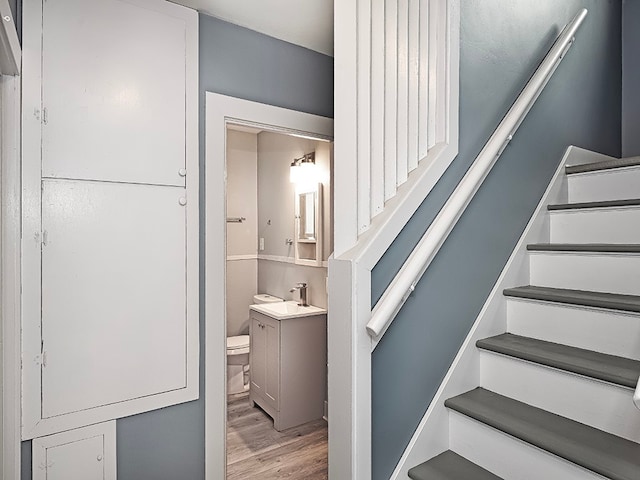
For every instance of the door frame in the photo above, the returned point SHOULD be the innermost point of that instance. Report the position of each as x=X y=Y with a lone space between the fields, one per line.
x=10 y=278
x=219 y=111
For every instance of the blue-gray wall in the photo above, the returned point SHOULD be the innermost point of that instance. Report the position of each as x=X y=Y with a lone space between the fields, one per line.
x=501 y=44
x=168 y=444
x=630 y=78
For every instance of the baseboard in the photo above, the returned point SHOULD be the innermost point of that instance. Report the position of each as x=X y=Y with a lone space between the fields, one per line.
x=432 y=434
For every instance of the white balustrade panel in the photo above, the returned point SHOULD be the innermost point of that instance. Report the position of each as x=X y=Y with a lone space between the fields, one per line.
x=401 y=78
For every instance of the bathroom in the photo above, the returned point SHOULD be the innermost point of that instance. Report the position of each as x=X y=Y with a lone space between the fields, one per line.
x=279 y=237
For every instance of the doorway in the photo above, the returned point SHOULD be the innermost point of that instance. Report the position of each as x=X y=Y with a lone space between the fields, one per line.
x=247 y=117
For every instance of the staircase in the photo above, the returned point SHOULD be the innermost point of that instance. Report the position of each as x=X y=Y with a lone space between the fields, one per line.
x=555 y=394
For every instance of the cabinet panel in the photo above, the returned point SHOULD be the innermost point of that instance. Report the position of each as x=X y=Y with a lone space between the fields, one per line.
x=113 y=293
x=113 y=86
x=258 y=355
x=76 y=460
x=84 y=454
x=272 y=362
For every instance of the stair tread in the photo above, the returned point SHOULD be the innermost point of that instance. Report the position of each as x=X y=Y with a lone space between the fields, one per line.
x=584 y=247
x=603 y=453
x=630 y=202
x=606 y=165
x=613 y=301
x=601 y=366
x=450 y=466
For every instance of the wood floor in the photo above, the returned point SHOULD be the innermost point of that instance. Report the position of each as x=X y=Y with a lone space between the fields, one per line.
x=255 y=450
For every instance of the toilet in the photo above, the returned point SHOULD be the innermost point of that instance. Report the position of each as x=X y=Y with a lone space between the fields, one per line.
x=238 y=354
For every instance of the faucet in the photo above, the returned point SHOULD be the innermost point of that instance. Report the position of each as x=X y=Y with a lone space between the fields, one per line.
x=303 y=293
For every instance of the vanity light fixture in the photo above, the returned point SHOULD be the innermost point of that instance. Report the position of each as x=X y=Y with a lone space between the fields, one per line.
x=303 y=169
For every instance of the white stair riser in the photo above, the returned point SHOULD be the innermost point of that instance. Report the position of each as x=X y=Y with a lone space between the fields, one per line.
x=598 y=225
x=616 y=184
x=506 y=456
x=614 y=273
x=598 y=404
x=600 y=330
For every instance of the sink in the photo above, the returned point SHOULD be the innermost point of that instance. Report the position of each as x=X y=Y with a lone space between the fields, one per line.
x=284 y=310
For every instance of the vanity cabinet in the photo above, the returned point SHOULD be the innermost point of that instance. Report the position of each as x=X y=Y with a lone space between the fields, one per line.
x=288 y=371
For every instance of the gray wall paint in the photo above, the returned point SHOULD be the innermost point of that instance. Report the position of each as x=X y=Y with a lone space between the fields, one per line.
x=630 y=78
x=168 y=444
x=502 y=43
x=246 y=64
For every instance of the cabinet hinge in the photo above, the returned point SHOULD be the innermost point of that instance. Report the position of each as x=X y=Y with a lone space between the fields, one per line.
x=45 y=115
x=41 y=359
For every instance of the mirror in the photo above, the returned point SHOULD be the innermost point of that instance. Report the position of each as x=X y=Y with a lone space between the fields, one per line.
x=308 y=229
x=307 y=209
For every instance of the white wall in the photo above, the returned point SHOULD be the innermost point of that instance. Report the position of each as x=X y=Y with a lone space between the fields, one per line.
x=242 y=188
x=276 y=196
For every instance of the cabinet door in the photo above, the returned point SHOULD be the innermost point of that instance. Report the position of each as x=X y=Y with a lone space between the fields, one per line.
x=87 y=453
x=113 y=92
x=272 y=362
x=258 y=354
x=113 y=293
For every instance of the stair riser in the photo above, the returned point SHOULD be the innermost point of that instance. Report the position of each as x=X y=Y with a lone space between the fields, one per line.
x=601 y=405
x=508 y=457
x=613 y=273
x=600 y=330
x=617 y=184
x=602 y=225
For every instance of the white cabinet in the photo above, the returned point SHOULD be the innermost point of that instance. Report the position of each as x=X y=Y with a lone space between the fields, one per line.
x=87 y=453
x=289 y=367
x=110 y=222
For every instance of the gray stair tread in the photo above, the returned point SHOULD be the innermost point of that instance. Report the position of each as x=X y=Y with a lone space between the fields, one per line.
x=606 y=165
x=632 y=202
x=614 y=301
x=609 y=368
x=450 y=466
x=608 y=455
x=584 y=247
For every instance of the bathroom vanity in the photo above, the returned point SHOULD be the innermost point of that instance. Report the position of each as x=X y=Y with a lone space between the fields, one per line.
x=288 y=362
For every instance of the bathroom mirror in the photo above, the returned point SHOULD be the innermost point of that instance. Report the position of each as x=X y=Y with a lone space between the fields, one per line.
x=308 y=228
x=307 y=209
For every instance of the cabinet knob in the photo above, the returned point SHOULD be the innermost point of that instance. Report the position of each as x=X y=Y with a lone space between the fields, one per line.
x=182 y=201
x=182 y=172
x=99 y=458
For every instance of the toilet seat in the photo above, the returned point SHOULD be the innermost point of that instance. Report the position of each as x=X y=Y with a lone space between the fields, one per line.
x=238 y=345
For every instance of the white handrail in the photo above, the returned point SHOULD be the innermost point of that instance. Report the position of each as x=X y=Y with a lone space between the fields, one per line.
x=405 y=281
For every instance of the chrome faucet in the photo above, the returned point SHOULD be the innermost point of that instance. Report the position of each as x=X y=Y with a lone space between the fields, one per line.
x=303 y=293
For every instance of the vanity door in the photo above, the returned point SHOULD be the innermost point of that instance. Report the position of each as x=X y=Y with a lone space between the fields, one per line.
x=272 y=362
x=265 y=361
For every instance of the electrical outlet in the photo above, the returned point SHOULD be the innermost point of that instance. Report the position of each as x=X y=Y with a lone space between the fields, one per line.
x=261 y=244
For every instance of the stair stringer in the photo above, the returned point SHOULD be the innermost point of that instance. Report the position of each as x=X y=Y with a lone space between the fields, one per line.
x=432 y=434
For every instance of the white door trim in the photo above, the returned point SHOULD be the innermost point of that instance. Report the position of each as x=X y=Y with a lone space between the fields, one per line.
x=10 y=273
x=221 y=110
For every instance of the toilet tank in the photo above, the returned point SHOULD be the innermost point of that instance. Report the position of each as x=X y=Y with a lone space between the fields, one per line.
x=265 y=298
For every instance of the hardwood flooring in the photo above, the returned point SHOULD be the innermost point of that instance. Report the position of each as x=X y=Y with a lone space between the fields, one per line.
x=255 y=450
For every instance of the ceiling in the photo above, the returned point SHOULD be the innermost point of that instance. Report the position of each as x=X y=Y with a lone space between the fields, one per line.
x=308 y=23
